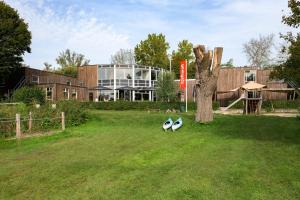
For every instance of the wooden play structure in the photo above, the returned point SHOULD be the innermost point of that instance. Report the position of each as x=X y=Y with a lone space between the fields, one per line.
x=251 y=95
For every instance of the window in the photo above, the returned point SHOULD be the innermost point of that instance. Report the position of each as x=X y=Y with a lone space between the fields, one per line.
x=35 y=79
x=250 y=75
x=74 y=94
x=68 y=82
x=66 y=93
x=49 y=93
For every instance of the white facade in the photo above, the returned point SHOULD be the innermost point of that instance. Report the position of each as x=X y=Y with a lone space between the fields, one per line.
x=128 y=82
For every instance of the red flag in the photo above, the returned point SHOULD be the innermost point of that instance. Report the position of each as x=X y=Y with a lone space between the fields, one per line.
x=183 y=74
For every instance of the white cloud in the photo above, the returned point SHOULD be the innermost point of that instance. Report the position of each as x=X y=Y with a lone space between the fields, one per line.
x=77 y=30
x=227 y=23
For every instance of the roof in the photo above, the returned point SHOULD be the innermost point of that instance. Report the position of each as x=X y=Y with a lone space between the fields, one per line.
x=252 y=86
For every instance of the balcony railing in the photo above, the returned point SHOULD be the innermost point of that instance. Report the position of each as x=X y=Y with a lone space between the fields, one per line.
x=127 y=82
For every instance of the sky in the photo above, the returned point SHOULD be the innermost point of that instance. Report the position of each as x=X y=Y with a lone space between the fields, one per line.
x=99 y=28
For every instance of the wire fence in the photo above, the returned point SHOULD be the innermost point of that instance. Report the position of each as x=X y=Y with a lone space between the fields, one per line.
x=19 y=126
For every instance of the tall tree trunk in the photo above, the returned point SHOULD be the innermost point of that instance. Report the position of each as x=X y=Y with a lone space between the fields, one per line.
x=208 y=66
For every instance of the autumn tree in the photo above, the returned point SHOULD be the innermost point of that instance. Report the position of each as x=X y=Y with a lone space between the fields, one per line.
x=15 y=40
x=123 y=56
x=152 y=51
x=184 y=52
x=258 y=51
x=69 y=61
x=208 y=64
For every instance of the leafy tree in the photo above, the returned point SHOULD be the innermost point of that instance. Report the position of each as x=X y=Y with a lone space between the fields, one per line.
x=184 y=52
x=29 y=95
x=15 y=40
x=152 y=51
x=293 y=19
x=229 y=63
x=47 y=67
x=166 y=90
x=69 y=61
x=290 y=69
x=258 y=51
x=123 y=56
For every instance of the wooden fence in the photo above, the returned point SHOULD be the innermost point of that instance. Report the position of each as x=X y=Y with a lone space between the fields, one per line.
x=30 y=120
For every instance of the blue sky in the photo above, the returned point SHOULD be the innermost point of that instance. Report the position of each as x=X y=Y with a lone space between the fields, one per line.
x=99 y=28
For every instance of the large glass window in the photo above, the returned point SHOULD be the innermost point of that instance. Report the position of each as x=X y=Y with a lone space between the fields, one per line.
x=106 y=73
x=142 y=74
x=153 y=75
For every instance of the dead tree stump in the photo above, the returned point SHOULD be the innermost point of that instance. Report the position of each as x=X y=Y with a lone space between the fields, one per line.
x=208 y=64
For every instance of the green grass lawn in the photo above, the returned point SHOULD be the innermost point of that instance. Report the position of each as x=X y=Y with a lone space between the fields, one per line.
x=126 y=155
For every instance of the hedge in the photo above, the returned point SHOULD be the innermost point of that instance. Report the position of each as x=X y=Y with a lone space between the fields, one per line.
x=145 y=105
x=277 y=104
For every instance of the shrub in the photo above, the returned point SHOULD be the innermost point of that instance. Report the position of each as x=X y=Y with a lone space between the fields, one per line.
x=75 y=112
x=145 y=105
x=44 y=118
x=29 y=95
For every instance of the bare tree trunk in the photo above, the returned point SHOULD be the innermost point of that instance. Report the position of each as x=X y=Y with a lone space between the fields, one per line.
x=208 y=66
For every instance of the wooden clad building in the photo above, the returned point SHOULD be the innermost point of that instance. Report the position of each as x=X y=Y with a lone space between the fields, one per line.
x=230 y=79
x=56 y=86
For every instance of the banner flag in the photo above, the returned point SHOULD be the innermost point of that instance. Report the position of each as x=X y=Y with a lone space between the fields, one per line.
x=183 y=74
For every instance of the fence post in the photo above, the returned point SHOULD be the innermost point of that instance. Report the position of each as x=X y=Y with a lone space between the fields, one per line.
x=30 y=122
x=18 y=126
x=63 y=121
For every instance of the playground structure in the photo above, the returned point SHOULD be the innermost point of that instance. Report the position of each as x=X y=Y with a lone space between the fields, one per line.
x=251 y=95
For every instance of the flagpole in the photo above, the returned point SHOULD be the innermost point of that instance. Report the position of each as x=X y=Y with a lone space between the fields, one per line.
x=186 y=85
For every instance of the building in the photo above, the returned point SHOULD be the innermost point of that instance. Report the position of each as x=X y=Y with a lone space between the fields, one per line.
x=232 y=78
x=138 y=83
x=56 y=86
x=120 y=82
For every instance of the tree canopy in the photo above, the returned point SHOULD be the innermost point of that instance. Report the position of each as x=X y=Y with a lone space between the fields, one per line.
x=258 y=51
x=166 y=90
x=15 y=40
x=69 y=61
x=123 y=56
x=152 y=51
x=290 y=69
x=184 y=52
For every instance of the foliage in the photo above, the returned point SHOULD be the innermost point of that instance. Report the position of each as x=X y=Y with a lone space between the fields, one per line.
x=44 y=118
x=258 y=51
x=29 y=95
x=47 y=67
x=229 y=63
x=184 y=52
x=293 y=19
x=69 y=61
x=15 y=40
x=290 y=69
x=152 y=51
x=130 y=157
x=74 y=111
x=166 y=87
x=123 y=56
x=269 y=105
x=142 y=105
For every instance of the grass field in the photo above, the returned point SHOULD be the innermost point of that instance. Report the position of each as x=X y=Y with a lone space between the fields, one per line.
x=126 y=155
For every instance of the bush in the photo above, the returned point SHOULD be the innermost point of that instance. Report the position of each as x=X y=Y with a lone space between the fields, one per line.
x=75 y=112
x=44 y=118
x=145 y=105
x=29 y=95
